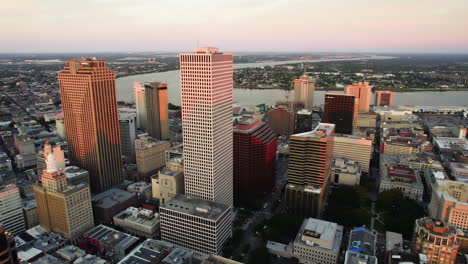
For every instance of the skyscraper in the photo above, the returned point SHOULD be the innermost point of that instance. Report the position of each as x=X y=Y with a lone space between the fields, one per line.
x=91 y=120
x=254 y=159
x=281 y=120
x=340 y=110
x=62 y=208
x=152 y=109
x=128 y=135
x=310 y=157
x=384 y=98
x=361 y=91
x=207 y=86
x=11 y=209
x=304 y=88
x=8 y=253
x=42 y=156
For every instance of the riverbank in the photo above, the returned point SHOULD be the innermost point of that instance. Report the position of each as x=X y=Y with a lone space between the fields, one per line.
x=397 y=90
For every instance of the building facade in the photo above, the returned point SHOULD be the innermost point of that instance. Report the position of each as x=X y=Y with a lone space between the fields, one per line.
x=89 y=103
x=339 y=109
x=345 y=171
x=11 y=209
x=8 y=253
x=405 y=179
x=363 y=92
x=254 y=159
x=138 y=222
x=167 y=184
x=304 y=89
x=310 y=157
x=150 y=154
x=42 y=156
x=435 y=240
x=207 y=90
x=62 y=208
x=281 y=120
x=303 y=121
x=198 y=225
x=354 y=148
x=384 y=98
x=128 y=135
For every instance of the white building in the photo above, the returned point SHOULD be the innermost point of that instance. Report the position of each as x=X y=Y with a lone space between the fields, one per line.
x=345 y=171
x=354 y=148
x=405 y=179
x=207 y=91
x=11 y=209
x=195 y=224
x=139 y=222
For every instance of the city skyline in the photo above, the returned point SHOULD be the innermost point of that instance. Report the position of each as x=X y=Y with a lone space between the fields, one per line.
x=335 y=26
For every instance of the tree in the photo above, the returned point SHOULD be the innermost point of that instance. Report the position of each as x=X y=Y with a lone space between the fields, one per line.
x=259 y=255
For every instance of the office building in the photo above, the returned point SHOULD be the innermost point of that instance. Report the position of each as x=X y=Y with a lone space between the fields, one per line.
x=345 y=171
x=149 y=251
x=167 y=184
x=449 y=202
x=339 y=109
x=138 y=222
x=152 y=109
x=207 y=90
x=435 y=240
x=281 y=120
x=11 y=209
x=8 y=253
x=176 y=151
x=459 y=171
x=384 y=98
x=254 y=159
x=150 y=155
x=310 y=157
x=362 y=247
x=31 y=217
x=303 y=121
x=195 y=224
x=25 y=151
x=363 y=92
x=89 y=103
x=43 y=154
x=176 y=164
x=405 y=179
x=354 y=148
x=76 y=175
x=107 y=242
x=318 y=241
x=62 y=208
x=60 y=128
x=111 y=202
x=128 y=136
x=304 y=89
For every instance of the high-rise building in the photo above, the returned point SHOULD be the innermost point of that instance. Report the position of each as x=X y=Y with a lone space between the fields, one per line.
x=354 y=148
x=195 y=224
x=361 y=91
x=152 y=109
x=384 y=98
x=254 y=159
x=435 y=240
x=11 y=209
x=42 y=156
x=303 y=121
x=304 y=88
x=150 y=155
x=8 y=254
x=207 y=90
x=340 y=110
x=91 y=119
x=281 y=120
x=62 y=208
x=310 y=157
x=128 y=135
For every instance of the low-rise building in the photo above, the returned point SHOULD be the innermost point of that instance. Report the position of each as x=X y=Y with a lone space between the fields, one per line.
x=449 y=144
x=150 y=155
x=435 y=240
x=90 y=259
x=139 y=222
x=362 y=246
x=345 y=171
x=149 y=251
x=176 y=164
x=167 y=184
x=143 y=189
x=405 y=179
x=459 y=171
x=76 y=175
x=176 y=151
x=111 y=202
x=30 y=213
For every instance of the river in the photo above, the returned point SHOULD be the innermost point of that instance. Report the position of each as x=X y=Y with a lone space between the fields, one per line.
x=270 y=96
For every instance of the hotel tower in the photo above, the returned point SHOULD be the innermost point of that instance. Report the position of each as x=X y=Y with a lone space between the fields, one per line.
x=91 y=120
x=207 y=85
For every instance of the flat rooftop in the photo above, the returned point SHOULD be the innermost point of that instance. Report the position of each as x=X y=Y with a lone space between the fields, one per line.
x=169 y=172
x=111 y=197
x=362 y=240
x=196 y=207
x=108 y=235
x=320 y=233
x=451 y=143
x=149 y=251
x=323 y=130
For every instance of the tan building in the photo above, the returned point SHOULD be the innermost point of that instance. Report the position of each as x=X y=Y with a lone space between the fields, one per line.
x=304 y=88
x=281 y=120
x=449 y=202
x=176 y=164
x=167 y=184
x=366 y=120
x=150 y=154
x=354 y=148
x=345 y=171
x=62 y=208
x=436 y=240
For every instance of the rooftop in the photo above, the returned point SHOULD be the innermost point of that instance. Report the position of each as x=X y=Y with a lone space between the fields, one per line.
x=346 y=165
x=178 y=256
x=362 y=240
x=320 y=233
x=111 y=197
x=196 y=206
x=451 y=143
x=73 y=171
x=169 y=172
x=139 y=216
x=323 y=130
x=359 y=258
x=108 y=235
x=436 y=227
x=148 y=251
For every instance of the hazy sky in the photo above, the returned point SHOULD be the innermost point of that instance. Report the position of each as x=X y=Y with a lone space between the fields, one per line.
x=234 y=25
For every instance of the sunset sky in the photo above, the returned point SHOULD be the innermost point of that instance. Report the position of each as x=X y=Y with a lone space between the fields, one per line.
x=234 y=25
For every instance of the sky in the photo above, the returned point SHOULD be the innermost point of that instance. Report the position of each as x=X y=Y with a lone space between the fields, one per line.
x=425 y=26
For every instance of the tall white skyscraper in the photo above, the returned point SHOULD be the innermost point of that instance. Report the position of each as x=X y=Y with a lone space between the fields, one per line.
x=207 y=91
